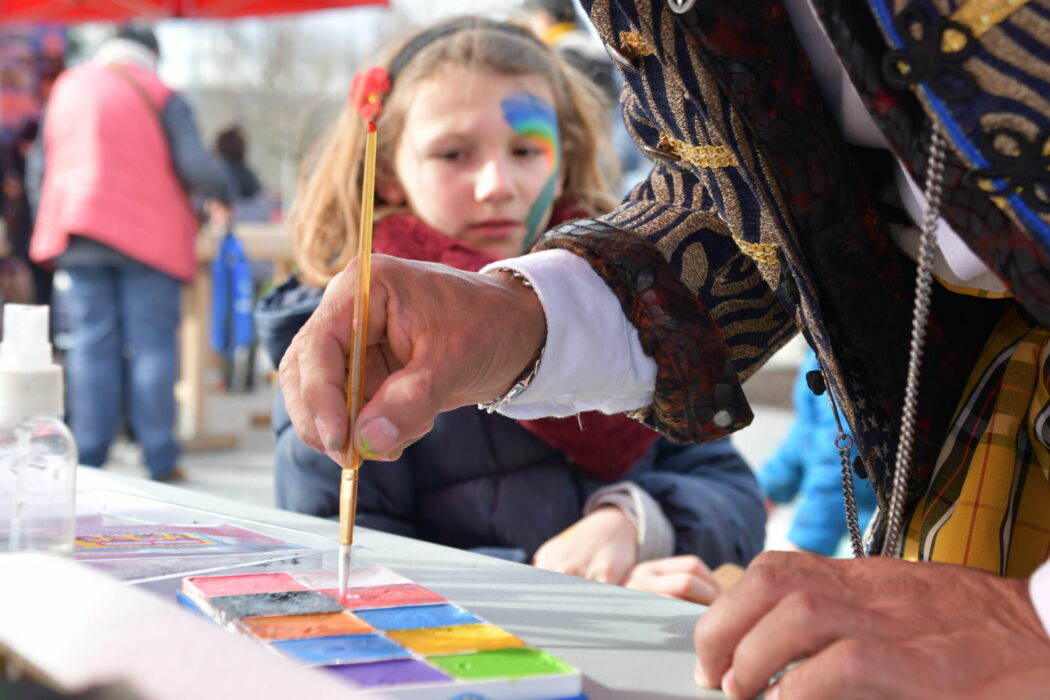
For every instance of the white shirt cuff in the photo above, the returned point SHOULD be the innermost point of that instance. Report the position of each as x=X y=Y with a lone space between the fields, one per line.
x=1039 y=590
x=593 y=359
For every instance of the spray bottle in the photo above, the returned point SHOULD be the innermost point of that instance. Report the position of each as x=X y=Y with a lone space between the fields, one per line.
x=38 y=456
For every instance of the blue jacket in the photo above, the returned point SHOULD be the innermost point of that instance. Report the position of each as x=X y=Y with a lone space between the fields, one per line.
x=808 y=462
x=481 y=481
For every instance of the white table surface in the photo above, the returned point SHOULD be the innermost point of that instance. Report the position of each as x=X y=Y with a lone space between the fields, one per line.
x=628 y=645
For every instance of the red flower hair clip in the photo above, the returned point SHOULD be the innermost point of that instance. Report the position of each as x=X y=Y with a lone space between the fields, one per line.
x=367 y=90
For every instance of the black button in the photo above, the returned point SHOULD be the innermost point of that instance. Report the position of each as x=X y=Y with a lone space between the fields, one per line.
x=815 y=382
x=858 y=468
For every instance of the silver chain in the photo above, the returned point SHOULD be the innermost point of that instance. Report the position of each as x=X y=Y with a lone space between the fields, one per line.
x=923 y=283
x=844 y=443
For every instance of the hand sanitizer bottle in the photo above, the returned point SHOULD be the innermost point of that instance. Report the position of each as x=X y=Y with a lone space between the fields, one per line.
x=38 y=456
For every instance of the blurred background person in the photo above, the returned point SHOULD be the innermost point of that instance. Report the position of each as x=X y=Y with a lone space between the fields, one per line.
x=557 y=23
x=121 y=149
x=17 y=283
x=241 y=181
x=236 y=279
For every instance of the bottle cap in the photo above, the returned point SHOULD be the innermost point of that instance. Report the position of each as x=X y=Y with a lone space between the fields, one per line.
x=30 y=381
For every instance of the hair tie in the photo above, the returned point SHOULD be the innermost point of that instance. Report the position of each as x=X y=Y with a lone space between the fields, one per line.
x=366 y=93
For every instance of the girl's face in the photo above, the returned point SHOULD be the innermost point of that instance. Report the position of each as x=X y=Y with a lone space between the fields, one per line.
x=479 y=158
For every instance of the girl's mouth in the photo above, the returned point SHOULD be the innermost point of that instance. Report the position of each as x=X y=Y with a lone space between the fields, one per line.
x=496 y=228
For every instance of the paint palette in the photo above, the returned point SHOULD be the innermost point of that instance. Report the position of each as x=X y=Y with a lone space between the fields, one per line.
x=387 y=634
x=131 y=541
x=156 y=544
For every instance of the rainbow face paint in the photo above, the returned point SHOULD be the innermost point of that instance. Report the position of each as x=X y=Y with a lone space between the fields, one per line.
x=531 y=116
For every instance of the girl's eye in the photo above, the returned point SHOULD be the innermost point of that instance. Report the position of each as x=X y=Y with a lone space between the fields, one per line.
x=452 y=156
x=528 y=151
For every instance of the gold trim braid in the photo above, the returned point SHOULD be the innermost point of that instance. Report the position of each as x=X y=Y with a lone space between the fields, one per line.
x=700 y=156
x=762 y=253
x=979 y=16
x=635 y=44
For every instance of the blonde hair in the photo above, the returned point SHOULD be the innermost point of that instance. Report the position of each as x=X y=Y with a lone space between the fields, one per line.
x=325 y=217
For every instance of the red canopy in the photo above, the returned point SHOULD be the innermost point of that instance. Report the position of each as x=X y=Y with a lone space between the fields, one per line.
x=116 y=10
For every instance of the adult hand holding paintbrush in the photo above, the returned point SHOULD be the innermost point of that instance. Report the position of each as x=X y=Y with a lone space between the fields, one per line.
x=438 y=338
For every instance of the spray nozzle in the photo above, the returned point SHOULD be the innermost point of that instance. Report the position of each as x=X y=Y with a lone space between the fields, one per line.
x=25 y=345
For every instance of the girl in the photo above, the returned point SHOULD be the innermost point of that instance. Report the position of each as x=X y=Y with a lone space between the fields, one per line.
x=486 y=138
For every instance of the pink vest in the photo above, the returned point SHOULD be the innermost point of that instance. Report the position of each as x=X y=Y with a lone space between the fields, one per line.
x=108 y=172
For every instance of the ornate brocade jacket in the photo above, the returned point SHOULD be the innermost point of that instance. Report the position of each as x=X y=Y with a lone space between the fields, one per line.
x=758 y=220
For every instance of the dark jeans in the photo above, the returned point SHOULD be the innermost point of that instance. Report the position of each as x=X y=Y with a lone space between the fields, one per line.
x=123 y=320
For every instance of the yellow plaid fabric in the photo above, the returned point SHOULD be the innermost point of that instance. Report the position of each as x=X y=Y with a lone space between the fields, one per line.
x=988 y=503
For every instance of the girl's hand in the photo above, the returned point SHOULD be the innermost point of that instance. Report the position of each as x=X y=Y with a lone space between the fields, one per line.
x=602 y=546
x=685 y=577
x=438 y=338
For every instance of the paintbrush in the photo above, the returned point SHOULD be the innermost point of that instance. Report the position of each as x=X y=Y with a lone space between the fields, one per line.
x=366 y=92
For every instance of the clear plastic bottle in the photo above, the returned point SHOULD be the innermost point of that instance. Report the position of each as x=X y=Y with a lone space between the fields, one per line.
x=38 y=456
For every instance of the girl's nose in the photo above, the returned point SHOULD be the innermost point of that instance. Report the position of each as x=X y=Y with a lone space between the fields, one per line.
x=494 y=181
